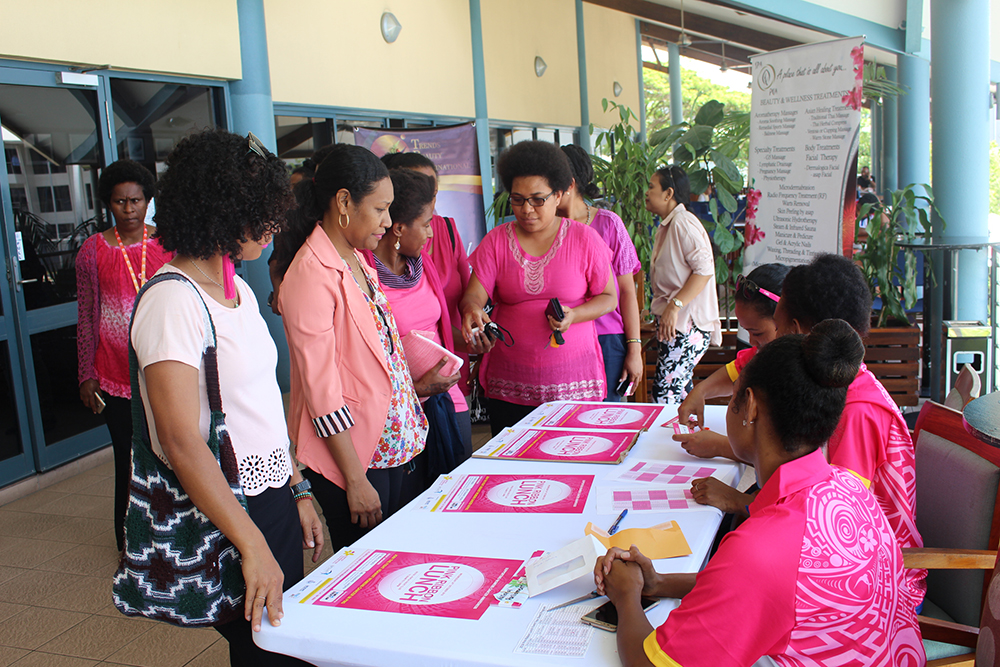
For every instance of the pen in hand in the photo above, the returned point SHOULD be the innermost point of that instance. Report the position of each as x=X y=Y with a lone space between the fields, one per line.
x=614 y=526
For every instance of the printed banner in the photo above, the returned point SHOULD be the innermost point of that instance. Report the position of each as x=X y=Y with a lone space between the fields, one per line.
x=412 y=583
x=594 y=416
x=535 y=444
x=805 y=118
x=548 y=494
x=455 y=151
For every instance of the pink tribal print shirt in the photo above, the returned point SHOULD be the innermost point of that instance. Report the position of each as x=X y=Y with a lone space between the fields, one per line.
x=813 y=578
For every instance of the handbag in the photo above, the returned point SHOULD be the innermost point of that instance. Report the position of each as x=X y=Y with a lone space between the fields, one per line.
x=177 y=566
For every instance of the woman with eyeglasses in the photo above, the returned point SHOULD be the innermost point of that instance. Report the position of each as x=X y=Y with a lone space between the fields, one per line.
x=814 y=576
x=523 y=264
x=757 y=297
x=354 y=416
x=682 y=277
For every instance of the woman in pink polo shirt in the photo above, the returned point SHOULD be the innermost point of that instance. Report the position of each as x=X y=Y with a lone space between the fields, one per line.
x=814 y=576
x=354 y=416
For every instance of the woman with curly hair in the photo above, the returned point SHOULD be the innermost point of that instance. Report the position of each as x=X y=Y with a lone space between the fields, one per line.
x=354 y=415
x=523 y=264
x=682 y=278
x=814 y=576
x=221 y=199
x=111 y=267
x=618 y=331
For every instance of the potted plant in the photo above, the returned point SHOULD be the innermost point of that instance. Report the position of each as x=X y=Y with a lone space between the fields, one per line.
x=893 y=345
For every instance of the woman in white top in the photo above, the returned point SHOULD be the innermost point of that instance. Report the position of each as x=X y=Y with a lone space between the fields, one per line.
x=221 y=198
x=682 y=276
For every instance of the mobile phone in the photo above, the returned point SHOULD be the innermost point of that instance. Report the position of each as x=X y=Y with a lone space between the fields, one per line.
x=100 y=403
x=623 y=387
x=556 y=312
x=605 y=617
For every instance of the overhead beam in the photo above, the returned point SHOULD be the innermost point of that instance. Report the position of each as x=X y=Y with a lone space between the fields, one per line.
x=656 y=67
x=729 y=32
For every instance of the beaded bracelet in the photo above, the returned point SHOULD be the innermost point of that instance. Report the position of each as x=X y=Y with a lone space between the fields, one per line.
x=304 y=494
x=633 y=340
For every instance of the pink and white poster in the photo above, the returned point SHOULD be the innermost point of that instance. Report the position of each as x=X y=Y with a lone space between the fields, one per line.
x=544 y=494
x=535 y=444
x=594 y=416
x=412 y=583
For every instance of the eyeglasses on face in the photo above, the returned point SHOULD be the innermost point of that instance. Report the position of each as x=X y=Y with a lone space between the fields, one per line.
x=749 y=288
x=534 y=202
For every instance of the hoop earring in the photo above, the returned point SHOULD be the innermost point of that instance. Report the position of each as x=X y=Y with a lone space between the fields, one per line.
x=340 y=221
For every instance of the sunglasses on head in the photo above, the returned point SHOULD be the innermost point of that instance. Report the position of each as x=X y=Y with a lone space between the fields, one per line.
x=749 y=288
x=256 y=145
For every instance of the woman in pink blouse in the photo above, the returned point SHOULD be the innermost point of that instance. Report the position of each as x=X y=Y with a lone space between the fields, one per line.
x=814 y=576
x=111 y=267
x=523 y=264
x=682 y=277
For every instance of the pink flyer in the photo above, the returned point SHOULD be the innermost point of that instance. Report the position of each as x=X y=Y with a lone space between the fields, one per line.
x=535 y=444
x=591 y=416
x=424 y=584
x=551 y=494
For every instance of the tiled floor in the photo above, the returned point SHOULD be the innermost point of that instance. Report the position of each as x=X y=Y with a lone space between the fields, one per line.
x=57 y=556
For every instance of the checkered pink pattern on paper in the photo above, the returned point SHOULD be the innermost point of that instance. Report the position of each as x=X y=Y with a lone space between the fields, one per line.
x=662 y=473
x=657 y=500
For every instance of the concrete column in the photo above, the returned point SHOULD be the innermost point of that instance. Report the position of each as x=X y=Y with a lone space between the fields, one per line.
x=890 y=169
x=482 y=115
x=913 y=131
x=253 y=111
x=876 y=144
x=581 y=56
x=960 y=61
x=674 y=68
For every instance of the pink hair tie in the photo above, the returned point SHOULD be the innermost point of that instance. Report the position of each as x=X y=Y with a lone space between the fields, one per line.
x=228 y=276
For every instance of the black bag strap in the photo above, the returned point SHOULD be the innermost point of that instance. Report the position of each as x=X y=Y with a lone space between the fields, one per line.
x=450 y=224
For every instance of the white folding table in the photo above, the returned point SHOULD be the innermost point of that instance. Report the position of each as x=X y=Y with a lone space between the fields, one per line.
x=337 y=636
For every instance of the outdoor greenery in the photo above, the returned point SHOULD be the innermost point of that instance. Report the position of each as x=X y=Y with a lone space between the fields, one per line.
x=994 y=178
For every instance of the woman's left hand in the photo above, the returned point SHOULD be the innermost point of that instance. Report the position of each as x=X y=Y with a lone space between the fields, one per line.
x=623 y=581
x=433 y=382
x=667 y=327
x=563 y=325
x=312 y=528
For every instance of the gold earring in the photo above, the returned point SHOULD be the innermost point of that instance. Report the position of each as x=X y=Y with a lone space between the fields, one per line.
x=340 y=221
x=397 y=245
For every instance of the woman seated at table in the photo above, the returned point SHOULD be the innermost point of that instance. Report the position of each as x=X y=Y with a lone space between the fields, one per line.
x=354 y=416
x=411 y=283
x=682 y=277
x=814 y=576
x=871 y=440
x=523 y=264
x=756 y=299
x=618 y=331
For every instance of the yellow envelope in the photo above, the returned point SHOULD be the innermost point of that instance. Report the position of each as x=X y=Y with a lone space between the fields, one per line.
x=661 y=541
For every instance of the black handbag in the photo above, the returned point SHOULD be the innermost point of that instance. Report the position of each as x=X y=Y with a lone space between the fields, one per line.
x=176 y=565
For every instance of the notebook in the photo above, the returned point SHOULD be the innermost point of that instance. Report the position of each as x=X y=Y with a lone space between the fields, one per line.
x=423 y=354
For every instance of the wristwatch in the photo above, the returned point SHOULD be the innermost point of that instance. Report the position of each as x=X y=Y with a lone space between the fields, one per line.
x=301 y=487
x=677 y=302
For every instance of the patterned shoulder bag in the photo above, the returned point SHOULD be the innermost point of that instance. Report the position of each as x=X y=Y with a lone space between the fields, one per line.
x=177 y=566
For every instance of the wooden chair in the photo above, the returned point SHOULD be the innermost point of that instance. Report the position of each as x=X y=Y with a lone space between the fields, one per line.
x=958 y=507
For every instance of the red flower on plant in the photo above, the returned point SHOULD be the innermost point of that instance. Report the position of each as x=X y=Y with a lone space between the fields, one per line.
x=752 y=234
x=853 y=98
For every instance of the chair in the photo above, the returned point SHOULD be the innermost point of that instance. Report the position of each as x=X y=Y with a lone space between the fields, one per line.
x=967 y=386
x=983 y=638
x=957 y=487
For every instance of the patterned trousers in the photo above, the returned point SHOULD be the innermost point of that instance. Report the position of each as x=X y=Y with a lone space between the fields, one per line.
x=675 y=364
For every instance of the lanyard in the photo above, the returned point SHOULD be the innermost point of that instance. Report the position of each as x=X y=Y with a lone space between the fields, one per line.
x=138 y=282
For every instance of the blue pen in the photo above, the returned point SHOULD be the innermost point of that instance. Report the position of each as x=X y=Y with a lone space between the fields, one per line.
x=614 y=526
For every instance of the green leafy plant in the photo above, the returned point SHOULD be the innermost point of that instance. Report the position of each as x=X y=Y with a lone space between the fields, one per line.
x=902 y=218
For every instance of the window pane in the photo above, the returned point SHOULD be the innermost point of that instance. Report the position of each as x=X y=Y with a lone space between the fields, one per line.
x=10 y=439
x=45 y=202
x=55 y=360
x=13 y=161
x=63 y=201
x=18 y=199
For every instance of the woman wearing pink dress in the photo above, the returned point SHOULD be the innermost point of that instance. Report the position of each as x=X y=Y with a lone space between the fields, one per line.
x=814 y=576
x=111 y=267
x=523 y=264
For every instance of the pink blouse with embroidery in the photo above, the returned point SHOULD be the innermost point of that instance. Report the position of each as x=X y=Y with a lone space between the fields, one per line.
x=105 y=295
x=575 y=269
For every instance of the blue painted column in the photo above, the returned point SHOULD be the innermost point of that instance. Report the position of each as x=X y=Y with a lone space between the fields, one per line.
x=876 y=144
x=960 y=64
x=482 y=116
x=913 y=131
x=253 y=111
x=674 y=74
x=890 y=140
x=581 y=56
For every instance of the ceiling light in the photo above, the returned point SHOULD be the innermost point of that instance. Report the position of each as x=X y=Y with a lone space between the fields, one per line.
x=617 y=88
x=390 y=27
x=540 y=66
